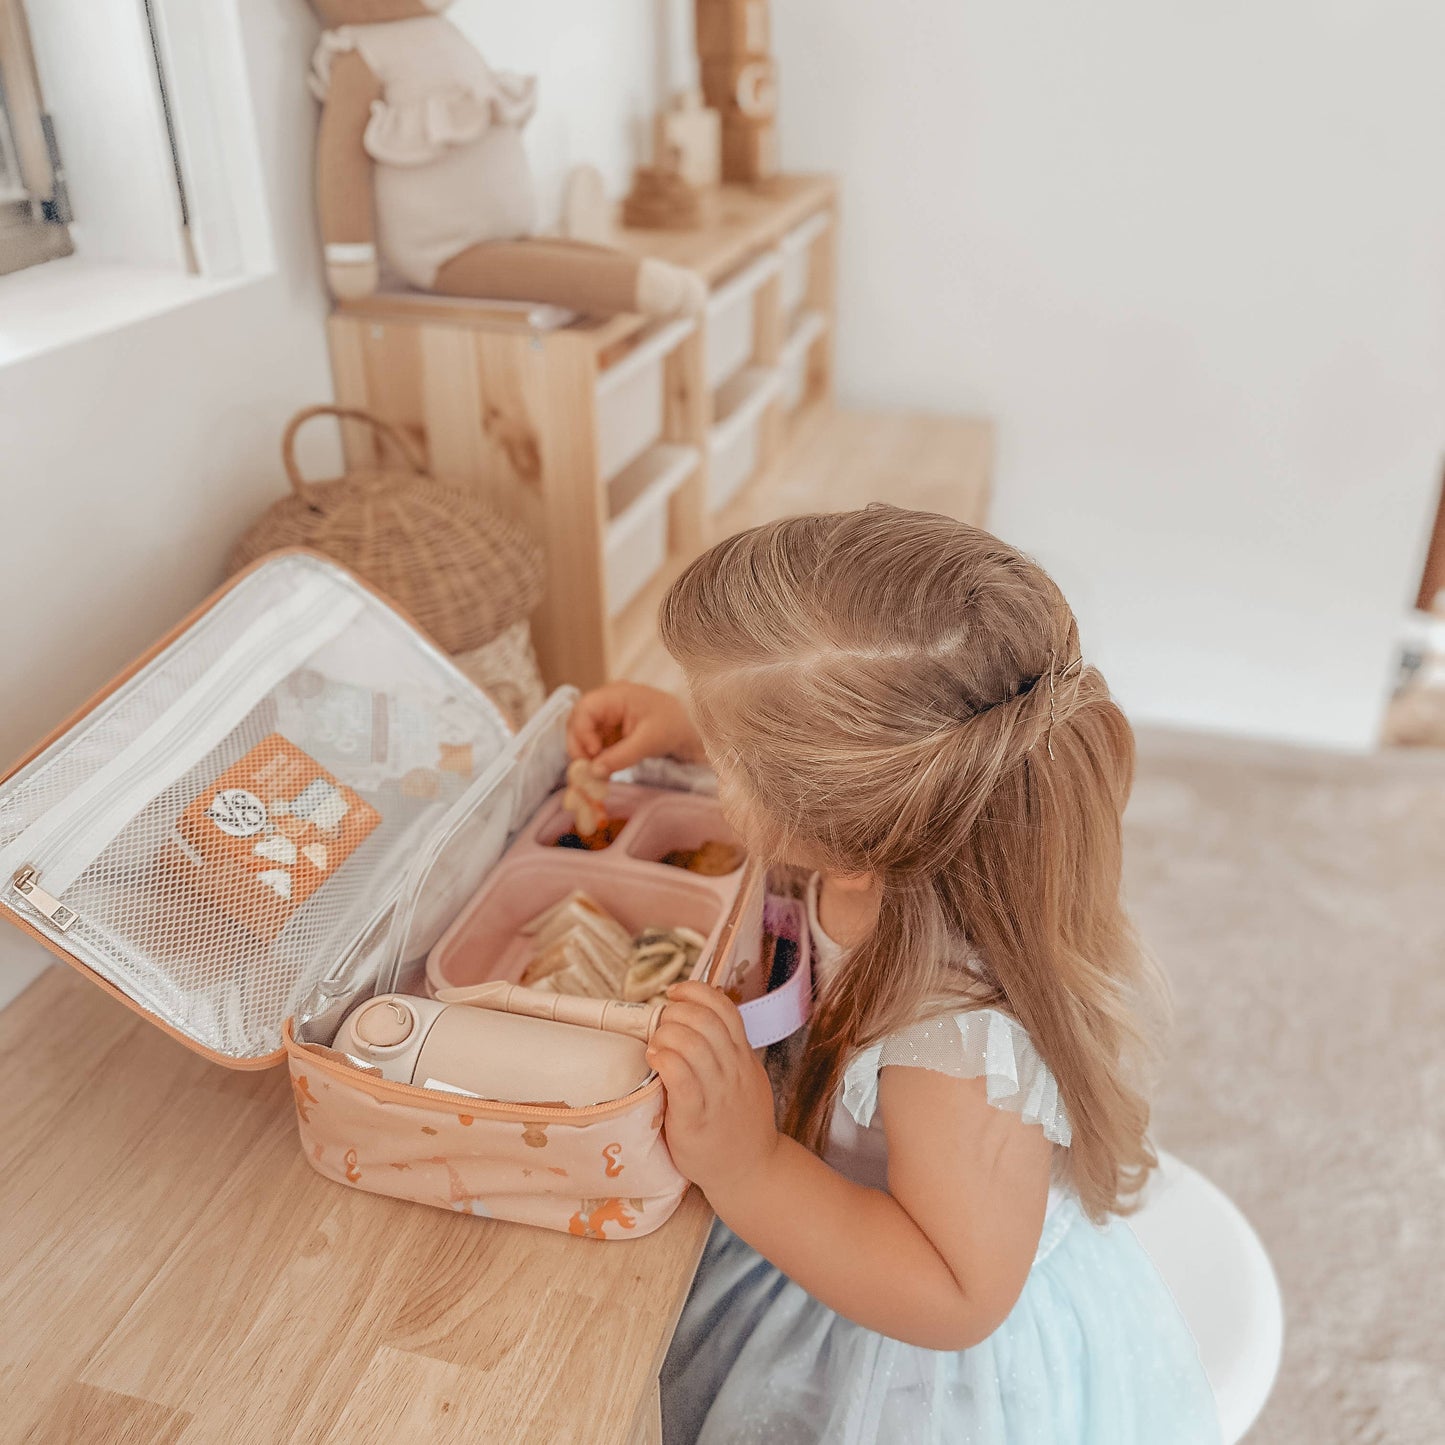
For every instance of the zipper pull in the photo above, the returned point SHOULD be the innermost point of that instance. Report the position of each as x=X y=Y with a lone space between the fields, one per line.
x=26 y=883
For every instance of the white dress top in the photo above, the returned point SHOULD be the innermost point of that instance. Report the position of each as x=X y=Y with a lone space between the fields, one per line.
x=966 y=1044
x=1093 y=1352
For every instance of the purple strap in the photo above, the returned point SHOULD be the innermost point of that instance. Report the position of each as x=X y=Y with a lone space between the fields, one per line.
x=785 y=1010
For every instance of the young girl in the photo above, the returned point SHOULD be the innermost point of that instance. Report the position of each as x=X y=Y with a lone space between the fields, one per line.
x=896 y=701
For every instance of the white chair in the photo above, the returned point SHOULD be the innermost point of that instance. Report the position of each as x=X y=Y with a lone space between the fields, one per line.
x=1224 y=1285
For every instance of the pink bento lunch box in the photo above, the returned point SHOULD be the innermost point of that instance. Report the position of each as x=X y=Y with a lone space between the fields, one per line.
x=628 y=879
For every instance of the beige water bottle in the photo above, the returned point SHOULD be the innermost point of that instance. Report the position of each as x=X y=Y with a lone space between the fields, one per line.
x=492 y=1054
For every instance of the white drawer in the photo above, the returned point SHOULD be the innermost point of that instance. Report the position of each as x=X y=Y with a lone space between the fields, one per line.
x=793 y=357
x=732 y=445
x=636 y=544
x=797 y=253
x=729 y=338
x=630 y=400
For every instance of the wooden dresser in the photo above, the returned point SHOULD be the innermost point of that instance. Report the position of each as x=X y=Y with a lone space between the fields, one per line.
x=616 y=442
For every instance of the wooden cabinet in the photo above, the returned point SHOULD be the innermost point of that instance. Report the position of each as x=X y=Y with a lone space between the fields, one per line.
x=615 y=442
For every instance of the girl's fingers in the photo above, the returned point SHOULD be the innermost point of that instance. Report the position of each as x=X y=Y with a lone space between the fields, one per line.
x=578 y=740
x=717 y=1004
x=684 y=1093
x=704 y=1022
x=697 y=1050
x=596 y=716
x=634 y=745
x=583 y=739
x=712 y=1077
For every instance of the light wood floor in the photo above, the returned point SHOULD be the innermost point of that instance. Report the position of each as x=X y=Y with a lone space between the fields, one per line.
x=175 y=1272
x=935 y=463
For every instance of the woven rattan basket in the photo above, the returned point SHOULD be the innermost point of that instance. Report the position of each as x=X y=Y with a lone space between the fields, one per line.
x=461 y=570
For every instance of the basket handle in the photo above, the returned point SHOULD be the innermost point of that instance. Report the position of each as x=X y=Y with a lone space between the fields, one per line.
x=383 y=429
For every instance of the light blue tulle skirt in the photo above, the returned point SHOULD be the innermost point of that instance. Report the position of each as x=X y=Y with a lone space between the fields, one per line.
x=1095 y=1352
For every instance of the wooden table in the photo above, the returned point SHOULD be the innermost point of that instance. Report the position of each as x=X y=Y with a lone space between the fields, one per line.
x=176 y=1272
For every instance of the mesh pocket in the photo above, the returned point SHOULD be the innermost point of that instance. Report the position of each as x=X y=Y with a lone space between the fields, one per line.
x=230 y=822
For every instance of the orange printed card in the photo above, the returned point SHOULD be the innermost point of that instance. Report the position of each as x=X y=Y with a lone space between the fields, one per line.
x=269 y=832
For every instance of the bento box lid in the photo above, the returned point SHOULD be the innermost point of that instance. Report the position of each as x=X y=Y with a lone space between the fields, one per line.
x=263 y=805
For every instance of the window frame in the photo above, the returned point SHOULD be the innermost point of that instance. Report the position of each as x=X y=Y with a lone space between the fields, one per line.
x=33 y=212
x=127 y=265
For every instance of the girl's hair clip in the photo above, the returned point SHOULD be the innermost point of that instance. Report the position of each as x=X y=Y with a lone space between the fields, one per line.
x=1077 y=665
x=1054 y=676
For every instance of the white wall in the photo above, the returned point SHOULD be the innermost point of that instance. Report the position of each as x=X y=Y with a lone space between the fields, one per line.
x=129 y=463
x=1190 y=258
x=596 y=69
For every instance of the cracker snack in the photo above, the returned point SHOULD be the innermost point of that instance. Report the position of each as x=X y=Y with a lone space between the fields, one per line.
x=268 y=833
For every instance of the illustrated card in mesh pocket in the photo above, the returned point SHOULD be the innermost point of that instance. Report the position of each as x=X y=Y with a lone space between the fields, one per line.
x=268 y=833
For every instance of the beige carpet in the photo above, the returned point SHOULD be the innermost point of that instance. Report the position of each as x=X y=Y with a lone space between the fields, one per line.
x=1297 y=901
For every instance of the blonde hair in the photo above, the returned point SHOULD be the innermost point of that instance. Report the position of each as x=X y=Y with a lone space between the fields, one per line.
x=898 y=693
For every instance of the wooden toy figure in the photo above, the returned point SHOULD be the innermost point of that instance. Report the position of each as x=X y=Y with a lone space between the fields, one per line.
x=420 y=162
x=740 y=81
x=692 y=132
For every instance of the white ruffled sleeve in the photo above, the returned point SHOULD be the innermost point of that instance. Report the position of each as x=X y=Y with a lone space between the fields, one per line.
x=974 y=1044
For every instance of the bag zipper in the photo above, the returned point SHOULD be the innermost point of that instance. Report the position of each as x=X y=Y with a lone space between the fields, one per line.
x=216 y=702
x=45 y=903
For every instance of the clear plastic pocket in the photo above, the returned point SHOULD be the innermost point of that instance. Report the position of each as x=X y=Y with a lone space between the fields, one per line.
x=463 y=850
x=237 y=816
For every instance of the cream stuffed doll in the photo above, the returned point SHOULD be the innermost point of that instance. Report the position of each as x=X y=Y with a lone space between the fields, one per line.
x=420 y=159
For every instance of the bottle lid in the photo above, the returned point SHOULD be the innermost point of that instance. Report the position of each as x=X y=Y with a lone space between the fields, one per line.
x=385 y=1024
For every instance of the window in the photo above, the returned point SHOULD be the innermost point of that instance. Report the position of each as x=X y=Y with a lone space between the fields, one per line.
x=161 y=201
x=33 y=208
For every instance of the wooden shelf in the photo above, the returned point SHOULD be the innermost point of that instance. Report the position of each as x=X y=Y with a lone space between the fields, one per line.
x=796 y=358
x=748 y=219
x=568 y=429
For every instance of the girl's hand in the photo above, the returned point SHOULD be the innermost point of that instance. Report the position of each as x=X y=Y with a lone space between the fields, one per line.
x=623 y=722
x=719 y=1123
